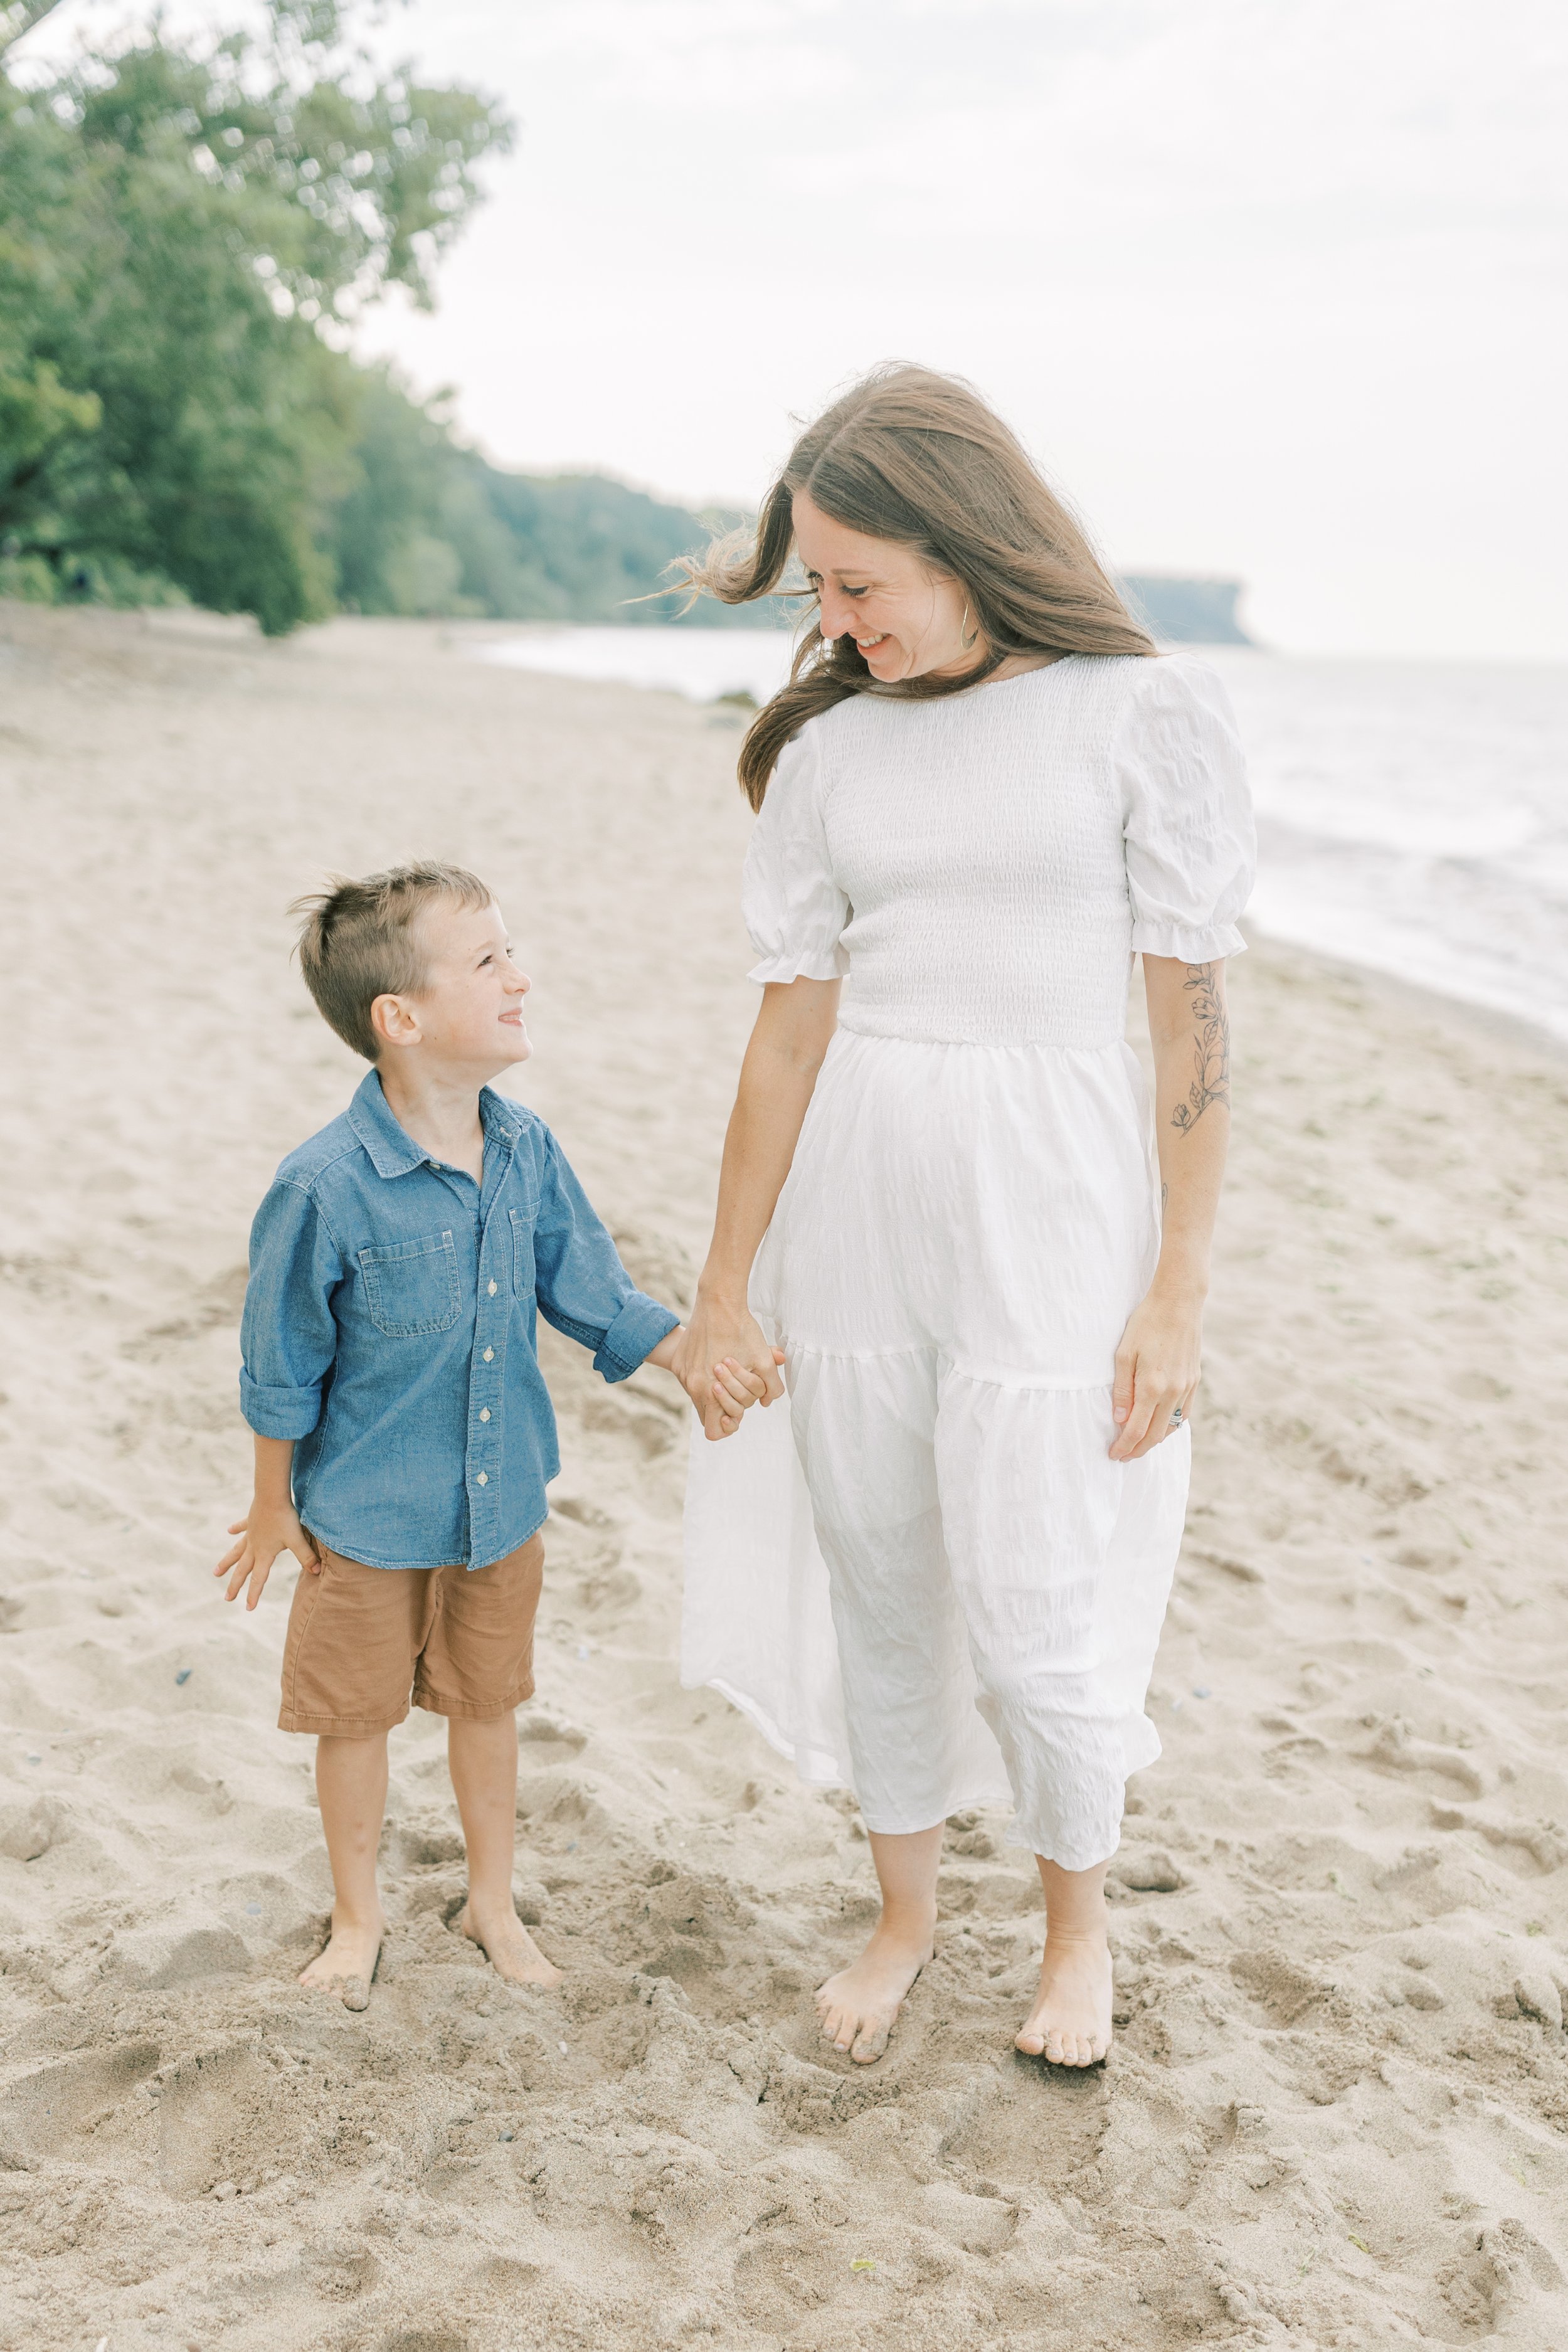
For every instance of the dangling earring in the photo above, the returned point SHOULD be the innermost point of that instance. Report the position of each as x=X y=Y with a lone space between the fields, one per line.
x=969 y=642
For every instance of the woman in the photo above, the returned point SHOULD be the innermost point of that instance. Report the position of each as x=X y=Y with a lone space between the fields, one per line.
x=981 y=793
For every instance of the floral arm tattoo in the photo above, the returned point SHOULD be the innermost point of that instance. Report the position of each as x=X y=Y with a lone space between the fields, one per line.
x=1212 y=1021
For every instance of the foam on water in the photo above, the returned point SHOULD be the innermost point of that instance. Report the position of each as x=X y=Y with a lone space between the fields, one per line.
x=1412 y=816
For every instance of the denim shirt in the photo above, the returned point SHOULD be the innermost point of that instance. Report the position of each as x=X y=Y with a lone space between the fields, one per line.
x=390 y=1330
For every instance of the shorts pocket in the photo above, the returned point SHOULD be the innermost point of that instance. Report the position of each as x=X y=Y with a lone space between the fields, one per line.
x=412 y=1287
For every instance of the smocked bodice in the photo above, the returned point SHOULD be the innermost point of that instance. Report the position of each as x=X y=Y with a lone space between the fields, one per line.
x=981 y=866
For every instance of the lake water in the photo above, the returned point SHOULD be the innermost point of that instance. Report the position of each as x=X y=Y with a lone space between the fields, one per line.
x=1412 y=816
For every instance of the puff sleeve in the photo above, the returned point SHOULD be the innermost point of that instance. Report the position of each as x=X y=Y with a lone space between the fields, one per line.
x=1186 y=812
x=793 y=909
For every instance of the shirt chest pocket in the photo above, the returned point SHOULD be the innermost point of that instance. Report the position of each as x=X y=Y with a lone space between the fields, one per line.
x=523 y=1270
x=412 y=1287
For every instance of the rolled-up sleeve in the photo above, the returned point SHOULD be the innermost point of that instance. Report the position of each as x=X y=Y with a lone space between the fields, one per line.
x=580 y=1285
x=288 y=1336
x=793 y=909
x=1186 y=813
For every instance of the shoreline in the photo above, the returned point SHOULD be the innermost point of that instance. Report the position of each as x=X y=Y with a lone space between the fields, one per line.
x=1415 y=997
x=1334 y=2112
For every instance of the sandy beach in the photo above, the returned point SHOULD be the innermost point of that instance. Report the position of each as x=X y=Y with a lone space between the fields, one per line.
x=1337 y=2110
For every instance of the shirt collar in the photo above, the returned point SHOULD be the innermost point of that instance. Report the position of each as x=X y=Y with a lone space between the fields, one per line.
x=393 y=1150
x=503 y=1121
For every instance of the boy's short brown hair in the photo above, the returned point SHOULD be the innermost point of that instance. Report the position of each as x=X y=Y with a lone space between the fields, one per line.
x=358 y=942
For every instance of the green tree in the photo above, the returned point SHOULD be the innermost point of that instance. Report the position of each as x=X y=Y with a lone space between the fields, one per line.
x=414 y=532
x=178 y=234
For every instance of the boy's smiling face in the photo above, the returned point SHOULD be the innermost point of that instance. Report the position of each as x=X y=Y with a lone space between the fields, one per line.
x=467 y=1020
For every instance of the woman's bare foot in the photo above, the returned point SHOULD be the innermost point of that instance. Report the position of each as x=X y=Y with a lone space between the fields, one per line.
x=348 y=1963
x=1069 y=2024
x=509 y=1947
x=860 y=2006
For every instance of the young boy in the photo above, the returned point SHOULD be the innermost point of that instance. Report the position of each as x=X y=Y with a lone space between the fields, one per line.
x=403 y=1433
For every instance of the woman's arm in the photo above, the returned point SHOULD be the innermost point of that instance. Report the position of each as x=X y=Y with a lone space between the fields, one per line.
x=1159 y=1360
x=792 y=1032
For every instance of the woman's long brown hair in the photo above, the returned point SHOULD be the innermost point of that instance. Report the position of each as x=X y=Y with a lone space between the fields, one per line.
x=910 y=455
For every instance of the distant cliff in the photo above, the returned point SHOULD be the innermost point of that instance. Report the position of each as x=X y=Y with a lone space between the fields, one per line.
x=1186 y=611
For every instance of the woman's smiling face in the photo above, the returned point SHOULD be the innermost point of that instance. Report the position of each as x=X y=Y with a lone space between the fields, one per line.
x=908 y=620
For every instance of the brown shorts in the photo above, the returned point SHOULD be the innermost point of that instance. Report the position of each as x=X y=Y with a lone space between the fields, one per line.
x=360 y=1638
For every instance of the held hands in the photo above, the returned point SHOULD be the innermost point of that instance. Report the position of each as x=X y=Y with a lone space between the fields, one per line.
x=724 y=1363
x=267 y=1528
x=1158 y=1366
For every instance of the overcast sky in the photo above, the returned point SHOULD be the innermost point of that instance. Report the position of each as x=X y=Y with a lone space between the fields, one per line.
x=1274 y=288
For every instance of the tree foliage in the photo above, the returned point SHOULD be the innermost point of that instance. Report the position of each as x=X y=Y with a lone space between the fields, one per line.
x=430 y=528
x=187 y=234
x=178 y=232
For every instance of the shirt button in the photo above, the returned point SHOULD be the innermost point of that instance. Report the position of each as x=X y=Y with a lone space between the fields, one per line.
x=492 y=1290
x=490 y=1355
x=486 y=1415
x=484 y=1477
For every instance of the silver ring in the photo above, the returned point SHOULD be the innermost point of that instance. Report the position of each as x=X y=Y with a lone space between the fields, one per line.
x=1175 y=1416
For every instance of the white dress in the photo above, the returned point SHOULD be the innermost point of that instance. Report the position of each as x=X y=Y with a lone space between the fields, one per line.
x=923 y=1575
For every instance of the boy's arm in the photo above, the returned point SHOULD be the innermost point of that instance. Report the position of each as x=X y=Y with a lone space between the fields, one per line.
x=287 y=1341
x=580 y=1283
x=288 y=1334
x=584 y=1291
x=270 y=1526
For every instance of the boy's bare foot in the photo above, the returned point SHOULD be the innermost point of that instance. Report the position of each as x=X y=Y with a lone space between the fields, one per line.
x=509 y=1947
x=1069 y=2024
x=348 y=1963
x=859 y=2005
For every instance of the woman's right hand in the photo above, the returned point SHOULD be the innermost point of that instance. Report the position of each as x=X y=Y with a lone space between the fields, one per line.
x=726 y=1364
